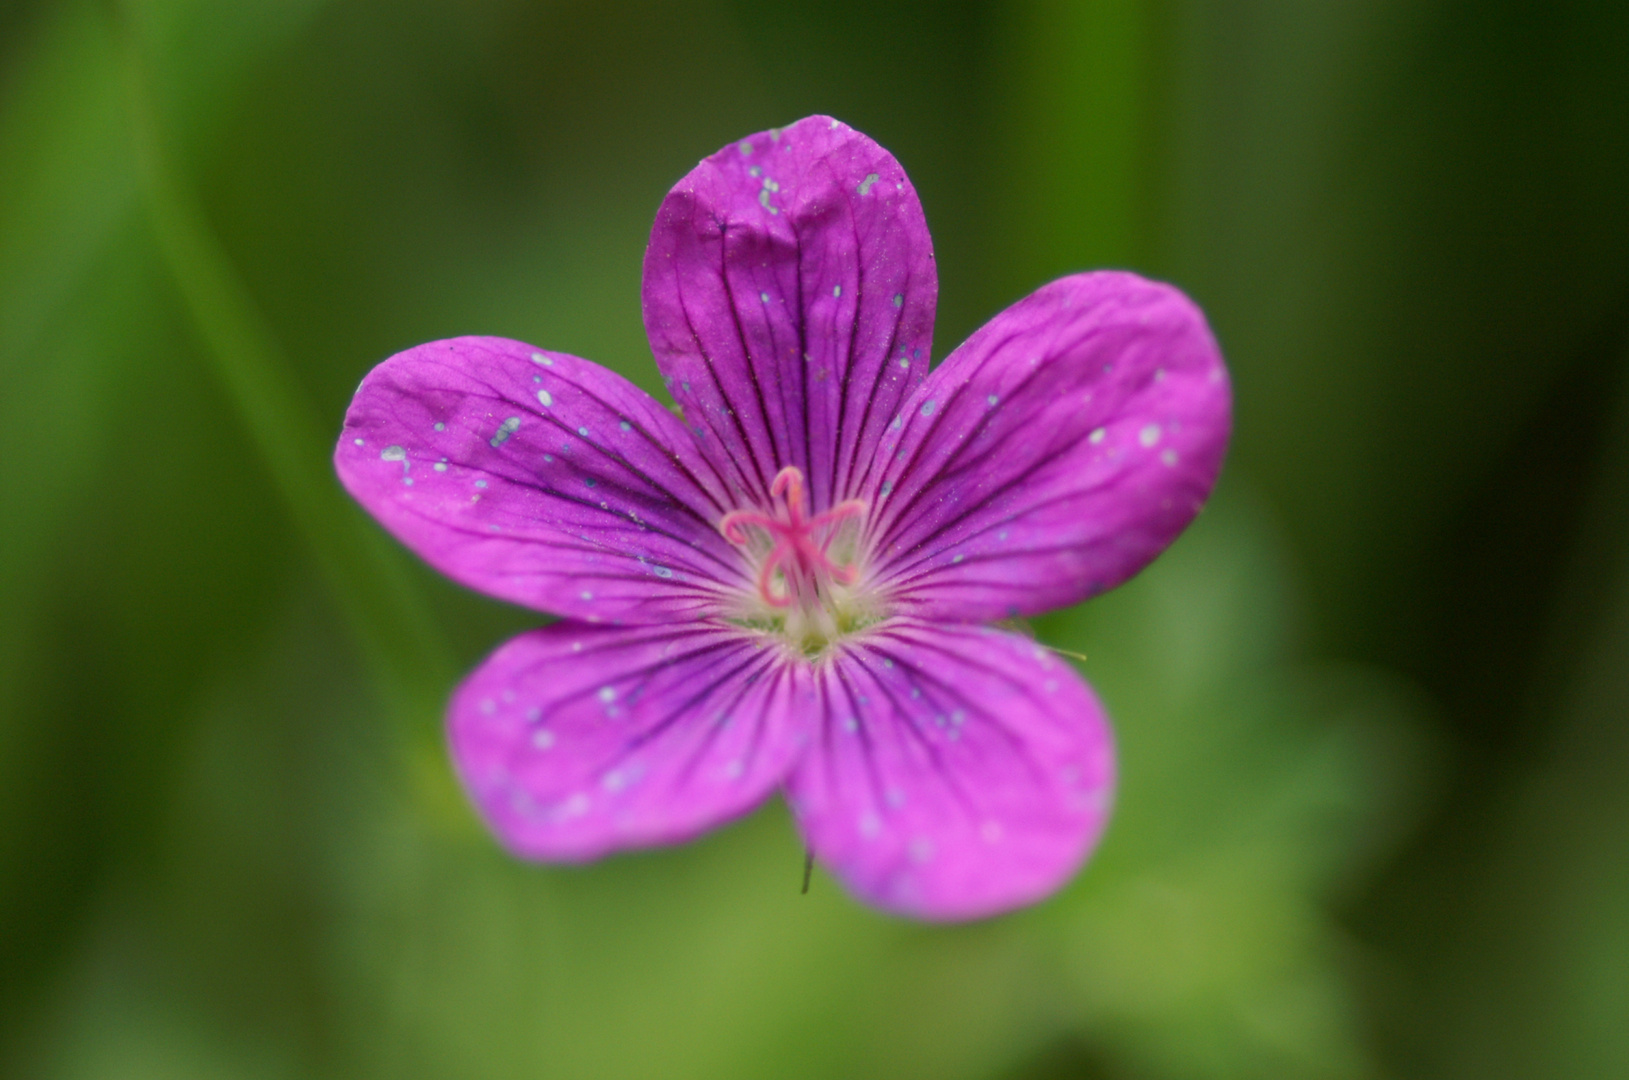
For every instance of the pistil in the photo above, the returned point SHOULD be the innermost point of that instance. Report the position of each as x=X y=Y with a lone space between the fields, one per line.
x=799 y=555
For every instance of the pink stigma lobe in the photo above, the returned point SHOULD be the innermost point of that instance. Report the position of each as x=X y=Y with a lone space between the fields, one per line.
x=799 y=544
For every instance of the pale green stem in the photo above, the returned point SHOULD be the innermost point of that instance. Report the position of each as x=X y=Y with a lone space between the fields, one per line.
x=394 y=629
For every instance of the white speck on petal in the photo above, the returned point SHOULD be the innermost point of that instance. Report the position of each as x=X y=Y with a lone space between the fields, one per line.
x=608 y=694
x=1096 y=436
x=1169 y=457
x=546 y=398
x=506 y=429
x=928 y=407
x=540 y=358
x=865 y=185
x=1149 y=435
x=543 y=738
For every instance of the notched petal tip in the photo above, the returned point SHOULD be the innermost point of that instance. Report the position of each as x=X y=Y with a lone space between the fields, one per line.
x=963 y=772
x=1053 y=455
x=575 y=741
x=785 y=276
x=539 y=478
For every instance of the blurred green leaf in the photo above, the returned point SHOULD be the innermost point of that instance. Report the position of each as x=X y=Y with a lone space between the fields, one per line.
x=1254 y=790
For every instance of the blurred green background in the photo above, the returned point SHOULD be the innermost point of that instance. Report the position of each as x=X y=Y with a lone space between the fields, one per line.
x=1373 y=708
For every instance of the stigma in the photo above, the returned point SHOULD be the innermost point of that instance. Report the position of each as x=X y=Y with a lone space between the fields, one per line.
x=807 y=566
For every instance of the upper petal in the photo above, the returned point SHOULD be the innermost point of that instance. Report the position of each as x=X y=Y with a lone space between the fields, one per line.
x=957 y=772
x=578 y=740
x=539 y=478
x=1054 y=454
x=789 y=296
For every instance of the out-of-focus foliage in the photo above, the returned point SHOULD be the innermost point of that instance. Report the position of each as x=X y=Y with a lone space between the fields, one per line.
x=1372 y=710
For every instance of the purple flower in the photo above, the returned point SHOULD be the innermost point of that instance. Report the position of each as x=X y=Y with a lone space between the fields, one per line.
x=785 y=585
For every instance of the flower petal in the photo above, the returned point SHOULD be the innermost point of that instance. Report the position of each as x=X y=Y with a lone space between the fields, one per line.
x=959 y=771
x=1054 y=454
x=578 y=740
x=539 y=478
x=789 y=297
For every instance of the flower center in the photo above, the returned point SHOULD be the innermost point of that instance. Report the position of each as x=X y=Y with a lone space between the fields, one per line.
x=806 y=566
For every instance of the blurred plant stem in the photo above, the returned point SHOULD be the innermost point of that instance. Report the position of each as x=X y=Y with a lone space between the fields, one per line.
x=391 y=622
